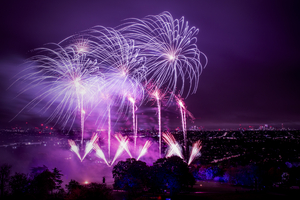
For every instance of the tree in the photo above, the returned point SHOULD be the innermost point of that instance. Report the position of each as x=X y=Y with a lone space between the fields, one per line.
x=57 y=178
x=5 y=170
x=172 y=173
x=19 y=184
x=72 y=186
x=131 y=175
x=43 y=182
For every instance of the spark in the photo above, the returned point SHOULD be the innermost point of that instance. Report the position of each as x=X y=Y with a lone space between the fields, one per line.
x=89 y=145
x=131 y=99
x=171 y=57
x=74 y=148
x=144 y=149
x=183 y=121
x=123 y=145
x=196 y=148
x=174 y=146
x=100 y=153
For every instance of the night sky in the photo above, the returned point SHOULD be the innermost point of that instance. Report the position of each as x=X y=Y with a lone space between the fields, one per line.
x=253 y=49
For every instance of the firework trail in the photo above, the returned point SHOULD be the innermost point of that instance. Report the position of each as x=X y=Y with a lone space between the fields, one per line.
x=174 y=146
x=183 y=121
x=109 y=131
x=74 y=148
x=196 y=148
x=108 y=101
x=133 y=120
x=156 y=94
x=144 y=149
x=100 y=153
x=89 y=145
x=170 y=47
x=82 y=124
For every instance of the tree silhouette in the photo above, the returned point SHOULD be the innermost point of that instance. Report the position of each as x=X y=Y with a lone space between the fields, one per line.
x=172 y=173
x=19 y=184
x=5 y=170
x=72 y=186
x=131 y=175
x=57 y=178
x=42 y=183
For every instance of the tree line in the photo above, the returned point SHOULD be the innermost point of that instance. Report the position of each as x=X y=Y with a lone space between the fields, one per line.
x=165 y=175
x=43 y=184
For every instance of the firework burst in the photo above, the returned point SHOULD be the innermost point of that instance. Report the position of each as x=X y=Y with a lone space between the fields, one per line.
x=89 y=145
x=170 y=47
x=74 y=148
x=144 y=149
x=63 y=78
x=174 y=146
x=195 y=151
x=123 y=145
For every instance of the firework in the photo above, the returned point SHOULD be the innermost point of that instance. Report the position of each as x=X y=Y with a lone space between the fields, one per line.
x=63 y=77
x=89 y=145
x=100 y=153
x=123 y=145
x=196 y=148
x=133 y=120
x=109 y=131
x=156 y=94
x=122 y=65
x=157 y=52
x=170 y=48
x=183 y=121
x=74 y=148
x=174 y=146
x=124 y=71
x=144 y=149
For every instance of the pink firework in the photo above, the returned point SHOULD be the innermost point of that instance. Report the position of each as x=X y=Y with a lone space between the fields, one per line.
x=74 y=148
x=144 y=150
x=100 y=153
x=174 y=146
x=89 y=145
x=196 y=148
x=123 y=145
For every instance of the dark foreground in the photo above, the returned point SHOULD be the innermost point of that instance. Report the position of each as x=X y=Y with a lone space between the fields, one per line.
x=218 y=191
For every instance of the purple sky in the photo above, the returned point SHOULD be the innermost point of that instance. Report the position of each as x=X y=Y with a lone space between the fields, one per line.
x=253 y=51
